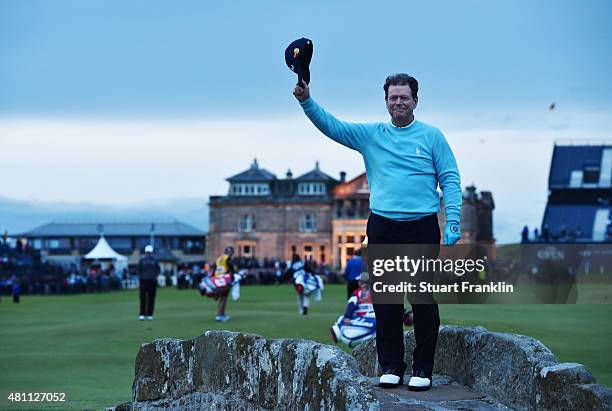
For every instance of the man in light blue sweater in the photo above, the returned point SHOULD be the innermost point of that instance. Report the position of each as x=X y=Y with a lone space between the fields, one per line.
x=405 y=161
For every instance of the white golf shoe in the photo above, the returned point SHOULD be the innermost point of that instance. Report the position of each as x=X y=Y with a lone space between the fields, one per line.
x=390 y=380
x=419 y=382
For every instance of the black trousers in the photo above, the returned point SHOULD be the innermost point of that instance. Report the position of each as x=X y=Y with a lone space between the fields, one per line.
x=148 y=288
x=389 y=317
x=351 y=286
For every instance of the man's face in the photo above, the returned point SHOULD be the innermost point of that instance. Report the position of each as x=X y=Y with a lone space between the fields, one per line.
x=400 y=102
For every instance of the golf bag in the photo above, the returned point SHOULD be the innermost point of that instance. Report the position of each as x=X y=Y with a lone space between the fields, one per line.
x=306 y=283
x=362 y=320
x=216 y=286
x=359 y=330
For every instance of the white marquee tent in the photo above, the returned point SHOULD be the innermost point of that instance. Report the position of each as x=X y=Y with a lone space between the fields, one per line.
x=103 y=251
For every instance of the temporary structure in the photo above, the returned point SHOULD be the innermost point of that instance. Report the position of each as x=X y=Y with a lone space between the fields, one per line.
x=103 y=251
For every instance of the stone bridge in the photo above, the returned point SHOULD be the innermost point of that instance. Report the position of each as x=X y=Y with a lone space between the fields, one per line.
x=474 y=370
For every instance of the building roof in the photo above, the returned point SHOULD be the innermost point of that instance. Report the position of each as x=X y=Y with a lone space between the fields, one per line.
x=113 y=227
x=315 y=175
x=252 y=175
x=357 y=187
x=265 y=201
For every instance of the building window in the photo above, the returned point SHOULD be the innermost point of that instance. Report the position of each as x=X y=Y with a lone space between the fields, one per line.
x=174 y=243
x=192 y=246
x=308 y=223
x=362 y=238
x=308 y=253
x=246 y=223
x=85 y=244
x=311 y=189
x=58 y=243
x=350 y=238
x=120 y=244
x=142 y=242
x=58 y=246
x=246 y=249
x=249 y=189
x=339 y=239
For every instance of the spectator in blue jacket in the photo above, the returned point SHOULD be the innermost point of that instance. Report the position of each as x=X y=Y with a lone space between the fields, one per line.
x=352 y=272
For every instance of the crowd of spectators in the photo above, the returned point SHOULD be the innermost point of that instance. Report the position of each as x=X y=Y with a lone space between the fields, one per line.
x=22 y=268
x=562 y=235
x=50 y=279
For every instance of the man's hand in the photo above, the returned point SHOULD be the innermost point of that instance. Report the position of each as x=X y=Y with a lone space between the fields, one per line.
x=302 y=92
x=452 y=233
x=346 y=321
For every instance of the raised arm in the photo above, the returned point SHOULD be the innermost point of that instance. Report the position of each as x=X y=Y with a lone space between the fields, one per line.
x=351 y=135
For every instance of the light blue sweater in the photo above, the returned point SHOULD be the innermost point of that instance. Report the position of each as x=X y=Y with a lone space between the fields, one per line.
x=404 y=164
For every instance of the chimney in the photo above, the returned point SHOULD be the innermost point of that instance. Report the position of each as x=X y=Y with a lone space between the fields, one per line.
x=487 y=199
x=342 y=176
x=471 y=193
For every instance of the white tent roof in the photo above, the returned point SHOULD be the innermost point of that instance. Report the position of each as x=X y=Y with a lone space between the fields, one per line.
x=103 y=251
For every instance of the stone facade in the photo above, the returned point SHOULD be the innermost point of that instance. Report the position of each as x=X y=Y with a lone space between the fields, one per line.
x=276 y=233
x=263 y=216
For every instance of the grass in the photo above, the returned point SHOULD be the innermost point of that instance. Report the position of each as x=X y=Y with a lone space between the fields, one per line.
x=85 y=345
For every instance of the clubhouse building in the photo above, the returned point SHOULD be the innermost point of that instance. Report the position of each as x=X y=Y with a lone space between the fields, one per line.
x=313 y=215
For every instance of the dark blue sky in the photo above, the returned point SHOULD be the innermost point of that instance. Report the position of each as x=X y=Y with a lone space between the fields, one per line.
x=141 y=58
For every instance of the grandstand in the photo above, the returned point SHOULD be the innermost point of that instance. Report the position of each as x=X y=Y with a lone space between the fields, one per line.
x=580 y=193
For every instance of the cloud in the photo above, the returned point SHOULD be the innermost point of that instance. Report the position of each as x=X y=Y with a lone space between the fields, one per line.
x=131 y=161
x=126 y=161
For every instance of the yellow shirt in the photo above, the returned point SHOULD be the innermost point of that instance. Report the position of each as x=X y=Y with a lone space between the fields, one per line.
x=222 y=265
